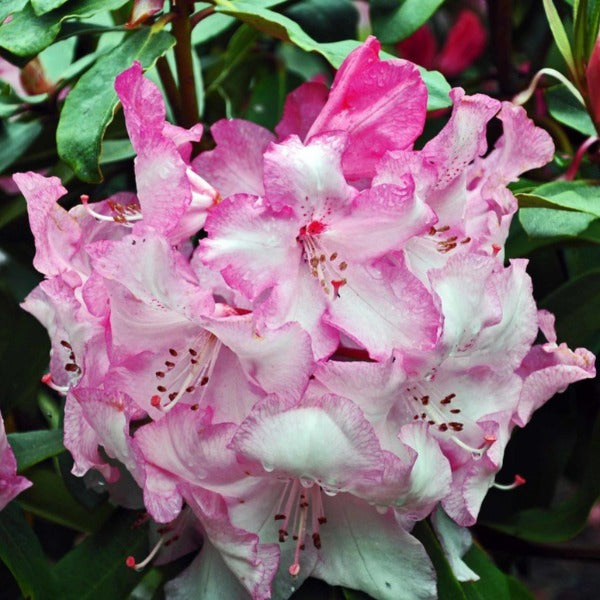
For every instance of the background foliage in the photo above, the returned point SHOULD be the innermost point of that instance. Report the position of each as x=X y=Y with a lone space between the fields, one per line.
x=59 y=539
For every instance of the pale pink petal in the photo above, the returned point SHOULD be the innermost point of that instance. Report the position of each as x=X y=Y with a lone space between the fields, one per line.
x=164 y=190
x=429 y=478
x=298 y=297
x=369 y=551
x=252 y=563
x=381 y=219
x=153 y=272
x=207 y=576
x=279 y=361
x=522 y=147
x=301 y=108
x=308 y=177
x=184 y=448
x=503 y=346
x=108 y=415
x=372 y=386
x=324 y=439
x=55 y=232
x=548 y=369
x=235 y=166
x=463 y=139
x=384 y=307
x=455 y=542
x=381 y=105
x=11 y=484
x=469 y=299
x=253 y=247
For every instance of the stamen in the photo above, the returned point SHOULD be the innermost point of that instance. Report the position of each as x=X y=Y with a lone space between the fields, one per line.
x=519 y=481
x=477 y=452
x=130 y=560
x=191 y=370
x=123 y=215
x=61 y=389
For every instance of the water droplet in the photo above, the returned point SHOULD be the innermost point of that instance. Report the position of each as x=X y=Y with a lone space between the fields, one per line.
x=306 y=482
x=268 y=467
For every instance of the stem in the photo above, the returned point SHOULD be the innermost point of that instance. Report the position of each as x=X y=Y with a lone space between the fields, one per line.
x=182 y=30
x=202 y=14
x=170 y=86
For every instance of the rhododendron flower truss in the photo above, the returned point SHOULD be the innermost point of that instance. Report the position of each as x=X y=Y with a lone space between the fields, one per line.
x=300 y=344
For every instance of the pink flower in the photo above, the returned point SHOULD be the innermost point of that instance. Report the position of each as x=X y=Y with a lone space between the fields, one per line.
x=11 y=484
x=219 y=378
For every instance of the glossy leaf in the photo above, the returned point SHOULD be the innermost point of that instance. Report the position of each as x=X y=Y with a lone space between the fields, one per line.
x=395 y=20
x=21 y=552
x=577 y=322
x=565 y=520
x=32 y=447
x=283 y=28
x=559 y=33
x=20 y=336
x=28 y=34
x=8 y=7
x=325 y=21
x=448 y=587
x=96 y=568
x=572 y=195
x=549 y=223
x=15 y=138
x=41 y=7
x=49 y=498
x=493 y=583
x=91 y=104
x=566 y=109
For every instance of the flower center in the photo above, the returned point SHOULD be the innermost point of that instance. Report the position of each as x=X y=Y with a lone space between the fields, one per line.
x=439 y=410
x=302 y=505
x=185 y=371
x=324 y=265
x=121 y=213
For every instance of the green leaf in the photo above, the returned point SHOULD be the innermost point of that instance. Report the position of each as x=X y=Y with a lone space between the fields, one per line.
x=32 y=447
x=21 y=552
x=448 y=586
x=91 y=104
x=8 y=7
x=566 y=109
x=41 y=7
x=493 y=583
x=559 y=33
x=96 y=568
x=15 y=139
x=549 y=223
x=28 y=34
x=20 y=336
x=395 y=20
x=569 y=517
x=49 y=498
x=329 y=21
x=283 y=28
x=576 y=307
x=573 y=195
x=115 y=151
